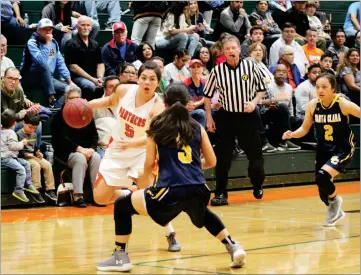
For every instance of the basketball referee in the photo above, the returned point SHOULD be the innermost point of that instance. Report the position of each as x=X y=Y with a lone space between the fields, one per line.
x=241 y=86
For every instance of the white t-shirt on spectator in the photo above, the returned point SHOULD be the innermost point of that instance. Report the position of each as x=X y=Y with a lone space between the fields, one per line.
x=304 y=93
x=173 y=74
x=283 y=95
x=300 y=57
x=5 y=63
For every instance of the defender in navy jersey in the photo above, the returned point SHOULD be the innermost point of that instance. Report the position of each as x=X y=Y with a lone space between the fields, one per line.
x=174 y=142
x=330 y=113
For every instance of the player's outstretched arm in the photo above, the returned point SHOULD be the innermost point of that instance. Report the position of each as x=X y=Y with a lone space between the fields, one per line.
x=307 y=122
x=147 y=178
x=112 y=100
x=209 y=159
x=349 y=108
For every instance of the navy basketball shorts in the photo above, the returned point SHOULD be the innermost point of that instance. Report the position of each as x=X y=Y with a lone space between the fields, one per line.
x=164 y=204
x=337 y=159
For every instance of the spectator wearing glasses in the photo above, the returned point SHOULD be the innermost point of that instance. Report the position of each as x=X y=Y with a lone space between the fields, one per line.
x=204 y=55
x=119 y=49
x=127 y=72
x=337 y=48
x=76 y=147
x=177 y=70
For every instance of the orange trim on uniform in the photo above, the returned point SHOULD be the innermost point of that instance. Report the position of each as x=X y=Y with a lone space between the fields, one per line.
x=99 y=178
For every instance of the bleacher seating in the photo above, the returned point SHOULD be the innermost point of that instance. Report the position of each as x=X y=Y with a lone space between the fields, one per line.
x=282 y=164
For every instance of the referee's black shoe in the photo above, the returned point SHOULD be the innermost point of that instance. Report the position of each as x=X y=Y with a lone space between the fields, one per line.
x=219 y=200
x=258 y=193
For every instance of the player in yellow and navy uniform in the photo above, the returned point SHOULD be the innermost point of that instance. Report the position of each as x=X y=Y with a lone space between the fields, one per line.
x=175 y=141
x=330 y=113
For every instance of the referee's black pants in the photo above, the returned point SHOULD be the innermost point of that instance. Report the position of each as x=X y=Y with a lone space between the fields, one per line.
x=244 y=127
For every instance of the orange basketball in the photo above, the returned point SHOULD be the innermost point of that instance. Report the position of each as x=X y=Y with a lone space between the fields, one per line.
x=77 y=113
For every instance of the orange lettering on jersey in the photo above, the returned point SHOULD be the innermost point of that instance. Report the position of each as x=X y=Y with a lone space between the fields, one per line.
x=132 y=118
x=142 y=124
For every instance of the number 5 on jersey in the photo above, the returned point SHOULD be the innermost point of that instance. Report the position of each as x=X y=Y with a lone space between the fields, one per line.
x=129 y=131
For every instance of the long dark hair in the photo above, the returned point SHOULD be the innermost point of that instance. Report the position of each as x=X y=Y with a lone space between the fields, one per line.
x=66 y=11
x=176 y=8
x=139 y=51
x=174 y=127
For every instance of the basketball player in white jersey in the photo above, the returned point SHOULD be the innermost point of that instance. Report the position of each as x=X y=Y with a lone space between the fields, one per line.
x=124 y=157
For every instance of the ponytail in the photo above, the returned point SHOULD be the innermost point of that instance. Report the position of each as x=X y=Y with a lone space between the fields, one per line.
x=174 y=127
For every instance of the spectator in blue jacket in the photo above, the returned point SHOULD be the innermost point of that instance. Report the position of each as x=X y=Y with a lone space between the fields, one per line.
x=118 y=50
x=287 y=56
x=41 y=59
x=352 y=20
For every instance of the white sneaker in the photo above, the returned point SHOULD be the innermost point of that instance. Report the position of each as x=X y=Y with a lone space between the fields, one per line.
x=332 y=223
x=238 y=255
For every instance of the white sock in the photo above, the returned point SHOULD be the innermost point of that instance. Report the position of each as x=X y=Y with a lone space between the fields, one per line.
x=168 y=229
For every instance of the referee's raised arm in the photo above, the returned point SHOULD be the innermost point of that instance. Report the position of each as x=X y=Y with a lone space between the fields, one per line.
x=241 y=86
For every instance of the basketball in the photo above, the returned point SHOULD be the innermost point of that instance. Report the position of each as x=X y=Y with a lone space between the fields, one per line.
x=77 y=113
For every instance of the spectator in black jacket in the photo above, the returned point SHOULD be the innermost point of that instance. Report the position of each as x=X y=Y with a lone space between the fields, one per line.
x=76 y=147
x=118 y=50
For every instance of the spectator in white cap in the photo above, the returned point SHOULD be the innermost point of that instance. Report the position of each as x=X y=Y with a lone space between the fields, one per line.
x=118 y=50
x=83 y=57
x=41 y=59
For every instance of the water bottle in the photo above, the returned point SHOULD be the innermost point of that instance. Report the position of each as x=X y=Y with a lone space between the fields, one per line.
x=26 y=20
x=50 y=154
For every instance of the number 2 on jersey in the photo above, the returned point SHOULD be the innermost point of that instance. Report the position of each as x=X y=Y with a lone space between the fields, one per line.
x=185 y=154
x=129 y=131
x=328 y=132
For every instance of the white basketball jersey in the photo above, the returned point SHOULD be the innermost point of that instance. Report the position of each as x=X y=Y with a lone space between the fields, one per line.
x=131 y=123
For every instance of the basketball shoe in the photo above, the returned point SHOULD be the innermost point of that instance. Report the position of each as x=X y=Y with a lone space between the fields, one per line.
x=118 y=262
x=238 y=255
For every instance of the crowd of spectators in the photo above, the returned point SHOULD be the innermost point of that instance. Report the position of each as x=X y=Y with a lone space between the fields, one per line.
x=290 y=42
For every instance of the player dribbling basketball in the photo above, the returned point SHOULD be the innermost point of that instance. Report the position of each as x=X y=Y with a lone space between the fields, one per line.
x=124 y=158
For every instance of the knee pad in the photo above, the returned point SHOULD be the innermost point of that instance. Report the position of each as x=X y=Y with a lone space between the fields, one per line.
x=325 y=186
x=123 y=211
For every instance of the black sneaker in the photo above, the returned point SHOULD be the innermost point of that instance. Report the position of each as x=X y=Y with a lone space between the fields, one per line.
x=219 y=200
x=292 y=147
x=51 y=195
x=79 y=203
x=237 y=151
x=37 y=197
x=108 y=26
x=268 y=148
x=258 y=193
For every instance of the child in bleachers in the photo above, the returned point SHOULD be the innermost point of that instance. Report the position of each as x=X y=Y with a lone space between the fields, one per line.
x=35 y=158
x=10 y=147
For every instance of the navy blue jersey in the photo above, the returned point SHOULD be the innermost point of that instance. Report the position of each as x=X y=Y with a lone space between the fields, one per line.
x=178 y=167
x=333 y=131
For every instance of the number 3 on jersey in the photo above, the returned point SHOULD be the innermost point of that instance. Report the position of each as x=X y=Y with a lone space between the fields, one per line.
x=129 y=131
x=185 y=154
x=328 y=132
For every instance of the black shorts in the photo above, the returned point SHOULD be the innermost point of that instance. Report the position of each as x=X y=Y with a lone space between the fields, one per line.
x=164 y=204
x=338 y=160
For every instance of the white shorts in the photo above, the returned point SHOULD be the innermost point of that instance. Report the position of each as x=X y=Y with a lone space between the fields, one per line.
x=121 y=173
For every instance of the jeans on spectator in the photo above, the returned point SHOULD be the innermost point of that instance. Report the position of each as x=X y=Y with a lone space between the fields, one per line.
x=278 y=120
x=173 y=42
x=208 y=16
x=38 y=132
x=79 y=165
x=200 y=116
x=193 y=43
x=88 y=88
x=111 y=6
x=42 y=77
x=22 y=169
x=11 y=22
x=143 y=25
x=350 y=32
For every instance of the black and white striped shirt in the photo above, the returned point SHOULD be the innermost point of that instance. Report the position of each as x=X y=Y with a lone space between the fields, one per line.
x=235 y=85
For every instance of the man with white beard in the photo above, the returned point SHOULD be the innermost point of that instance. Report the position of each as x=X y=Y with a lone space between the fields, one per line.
x=83 y=57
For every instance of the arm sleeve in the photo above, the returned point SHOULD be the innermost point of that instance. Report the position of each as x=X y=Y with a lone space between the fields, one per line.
x=14 y=144
x=39 y=56
x=106 y=59
x=61 y=67
x=210 y=88
x=98 y=56
x=302 y=98
x=228 y=22
x=70 y=54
